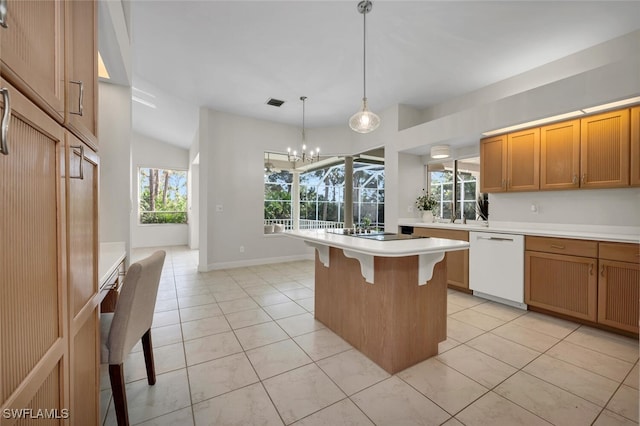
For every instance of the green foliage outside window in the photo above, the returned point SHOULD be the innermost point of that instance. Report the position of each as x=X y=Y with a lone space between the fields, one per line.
x=162 y=196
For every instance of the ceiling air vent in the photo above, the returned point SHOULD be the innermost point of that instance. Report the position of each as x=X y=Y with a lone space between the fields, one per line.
x=275 y=102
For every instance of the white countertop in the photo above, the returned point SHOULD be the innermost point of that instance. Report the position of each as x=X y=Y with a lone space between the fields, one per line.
x=109 y=257
x=623 y=234
x=396 y=248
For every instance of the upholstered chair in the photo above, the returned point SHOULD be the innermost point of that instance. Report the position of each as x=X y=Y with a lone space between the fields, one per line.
x=129 y=323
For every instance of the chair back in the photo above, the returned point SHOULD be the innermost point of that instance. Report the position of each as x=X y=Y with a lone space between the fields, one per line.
x=134 y=311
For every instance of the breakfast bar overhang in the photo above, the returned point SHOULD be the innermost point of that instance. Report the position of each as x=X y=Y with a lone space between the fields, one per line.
x=386 y=298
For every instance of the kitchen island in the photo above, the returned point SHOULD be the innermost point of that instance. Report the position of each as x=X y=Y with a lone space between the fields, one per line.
x=385 y=296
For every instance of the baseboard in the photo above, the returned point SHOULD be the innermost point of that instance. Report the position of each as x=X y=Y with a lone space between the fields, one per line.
x=255 y=262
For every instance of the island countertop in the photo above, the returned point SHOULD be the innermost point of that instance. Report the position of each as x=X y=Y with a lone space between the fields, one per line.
x=397 y=248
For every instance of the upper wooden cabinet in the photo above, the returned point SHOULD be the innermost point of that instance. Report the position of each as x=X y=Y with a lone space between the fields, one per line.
x=32 y=49
x=604 y=150
x=523 y=160
x=81 y=116
x=635 y=146
x=493 y=164
x=560 y=155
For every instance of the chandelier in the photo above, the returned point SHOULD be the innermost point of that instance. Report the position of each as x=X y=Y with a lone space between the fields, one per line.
x=304 y=156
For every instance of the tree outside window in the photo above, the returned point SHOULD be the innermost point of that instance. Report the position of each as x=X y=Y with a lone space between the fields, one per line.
x=162 y=196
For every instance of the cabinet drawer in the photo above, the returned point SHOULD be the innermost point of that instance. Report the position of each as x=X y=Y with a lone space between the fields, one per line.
x=621 y=252
x=562 y=246
x=451 y=234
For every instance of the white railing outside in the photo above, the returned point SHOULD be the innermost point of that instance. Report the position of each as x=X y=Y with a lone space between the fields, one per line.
x=305 y=223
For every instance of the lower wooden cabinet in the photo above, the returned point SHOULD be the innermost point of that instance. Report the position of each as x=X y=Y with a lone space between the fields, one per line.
x=457 y=261
x=561 y=283
x=619 y=286
x=588 y=280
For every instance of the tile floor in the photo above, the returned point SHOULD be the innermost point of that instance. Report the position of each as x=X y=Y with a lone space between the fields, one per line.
x=241 y=347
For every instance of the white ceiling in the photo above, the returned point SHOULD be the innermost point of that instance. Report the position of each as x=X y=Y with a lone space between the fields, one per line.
x=234 y=55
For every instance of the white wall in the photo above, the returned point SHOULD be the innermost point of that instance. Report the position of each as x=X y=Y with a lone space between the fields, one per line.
x=148 y=152
x=588 y=207
x=232 y=189
x=193 y=199
x=115 y=162
x=411 y=181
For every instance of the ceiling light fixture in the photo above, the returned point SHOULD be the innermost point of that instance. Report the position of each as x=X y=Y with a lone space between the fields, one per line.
x=364 y=121
x=440 y=151
x=294 y=156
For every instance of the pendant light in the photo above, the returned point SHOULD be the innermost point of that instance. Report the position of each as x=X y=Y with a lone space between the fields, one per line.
x=312 y=156
x=364 y=121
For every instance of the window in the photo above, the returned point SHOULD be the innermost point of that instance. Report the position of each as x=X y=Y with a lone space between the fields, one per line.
x=162 y=196
x=277 y=197
x=464 y=187
x=321 y=195
x=368 y=194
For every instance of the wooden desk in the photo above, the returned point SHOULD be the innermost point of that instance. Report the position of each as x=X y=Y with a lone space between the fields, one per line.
x=111 y=273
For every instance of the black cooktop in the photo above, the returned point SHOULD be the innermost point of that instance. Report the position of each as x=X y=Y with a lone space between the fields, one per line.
x=375 y=235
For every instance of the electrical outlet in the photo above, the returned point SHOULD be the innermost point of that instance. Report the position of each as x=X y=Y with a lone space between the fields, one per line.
x=241 y=249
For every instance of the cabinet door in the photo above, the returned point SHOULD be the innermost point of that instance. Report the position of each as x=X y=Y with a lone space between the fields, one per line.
x=82 y=231
x=560 y=155
x=604 y=150
x=618 y=294
x=457 y=261
x=81 y=115
x=635 y=146
x=493 y=164
x=33 y=52
x=563 y=284
x=523 y=160
x=33 y=320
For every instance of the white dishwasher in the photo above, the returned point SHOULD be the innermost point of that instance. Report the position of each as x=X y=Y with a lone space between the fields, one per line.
x=496 y=267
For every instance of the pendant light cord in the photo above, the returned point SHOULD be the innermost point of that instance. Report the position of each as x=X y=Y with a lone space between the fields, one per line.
x=364 y=54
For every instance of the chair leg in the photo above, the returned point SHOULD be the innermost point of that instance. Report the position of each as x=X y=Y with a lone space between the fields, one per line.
x=147 y=348
x=116 y=375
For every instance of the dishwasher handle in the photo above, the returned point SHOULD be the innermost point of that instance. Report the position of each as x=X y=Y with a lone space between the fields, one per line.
x=495 y=238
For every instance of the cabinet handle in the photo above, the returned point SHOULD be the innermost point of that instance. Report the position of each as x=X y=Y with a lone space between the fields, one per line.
x=6 y=115
x=3 y=13
x=602 y=270
x=81 y=174
x=584 y=178
x=80 y=98
x=575 y=179
x=557 y=246
x=591 y=269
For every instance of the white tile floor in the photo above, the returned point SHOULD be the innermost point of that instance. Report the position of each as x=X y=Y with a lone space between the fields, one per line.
x=241 y=347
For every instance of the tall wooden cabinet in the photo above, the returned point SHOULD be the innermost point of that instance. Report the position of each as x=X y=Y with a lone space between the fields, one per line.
x=49 y=347
x=604 y=150
x=33 y=269
x=82 y=231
